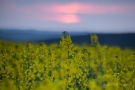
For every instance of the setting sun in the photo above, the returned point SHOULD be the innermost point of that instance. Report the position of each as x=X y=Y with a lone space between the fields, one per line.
x=69 y=19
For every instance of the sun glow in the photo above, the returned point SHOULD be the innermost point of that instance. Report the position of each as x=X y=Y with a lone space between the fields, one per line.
x=69 y=19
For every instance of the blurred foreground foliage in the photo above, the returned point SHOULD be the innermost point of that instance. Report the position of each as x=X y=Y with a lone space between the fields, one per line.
x=66 y=66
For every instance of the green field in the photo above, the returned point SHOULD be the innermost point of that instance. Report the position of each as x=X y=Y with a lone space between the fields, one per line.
x=65 y=66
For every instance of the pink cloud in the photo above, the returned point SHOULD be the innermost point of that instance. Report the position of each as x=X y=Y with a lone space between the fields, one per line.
x=84 y=8
x=68 y=13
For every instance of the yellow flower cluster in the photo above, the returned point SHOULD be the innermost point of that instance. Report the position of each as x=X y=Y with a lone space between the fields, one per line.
x=65 y=66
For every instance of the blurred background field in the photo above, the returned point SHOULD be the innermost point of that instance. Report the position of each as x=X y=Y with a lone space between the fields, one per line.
x=123 y=40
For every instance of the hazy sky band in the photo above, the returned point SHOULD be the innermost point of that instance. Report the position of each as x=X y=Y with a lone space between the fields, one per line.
x=78 y=15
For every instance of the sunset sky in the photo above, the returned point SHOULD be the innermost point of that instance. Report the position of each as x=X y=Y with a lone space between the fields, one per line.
x=70 y=15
